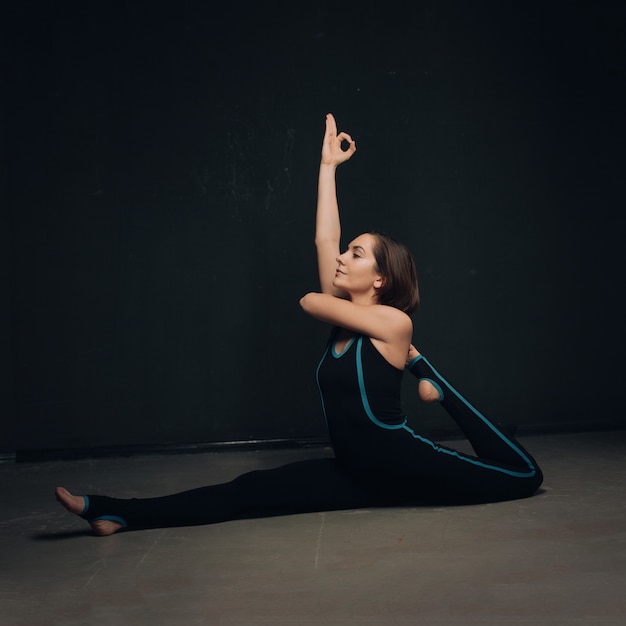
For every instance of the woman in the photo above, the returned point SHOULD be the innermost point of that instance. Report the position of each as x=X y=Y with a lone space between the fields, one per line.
x=367 y=294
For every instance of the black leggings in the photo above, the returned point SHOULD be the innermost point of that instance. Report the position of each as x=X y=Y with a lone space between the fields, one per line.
x=425 y=473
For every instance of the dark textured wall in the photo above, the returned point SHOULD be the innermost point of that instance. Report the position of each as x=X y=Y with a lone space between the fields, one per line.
x=162 y=162
x=7 y=398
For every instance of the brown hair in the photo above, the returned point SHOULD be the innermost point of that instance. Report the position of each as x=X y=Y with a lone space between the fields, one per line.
x=395 y=262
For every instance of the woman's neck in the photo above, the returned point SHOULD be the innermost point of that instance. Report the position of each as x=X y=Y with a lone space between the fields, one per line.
x=364 y=299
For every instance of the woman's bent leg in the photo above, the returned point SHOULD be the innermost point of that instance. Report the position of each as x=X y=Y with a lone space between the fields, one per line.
x=502 y=466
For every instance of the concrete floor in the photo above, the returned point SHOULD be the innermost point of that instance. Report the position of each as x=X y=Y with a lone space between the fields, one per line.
x=557 y=558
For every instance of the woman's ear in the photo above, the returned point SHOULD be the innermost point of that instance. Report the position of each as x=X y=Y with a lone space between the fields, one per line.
x=379 y=282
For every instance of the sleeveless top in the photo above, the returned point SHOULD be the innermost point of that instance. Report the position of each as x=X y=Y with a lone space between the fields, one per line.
x=361 y=394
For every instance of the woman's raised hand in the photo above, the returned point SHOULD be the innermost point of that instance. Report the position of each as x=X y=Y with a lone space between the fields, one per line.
x=332 y=152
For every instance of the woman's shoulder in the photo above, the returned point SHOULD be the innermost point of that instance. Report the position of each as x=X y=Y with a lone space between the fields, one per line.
x=396 y=317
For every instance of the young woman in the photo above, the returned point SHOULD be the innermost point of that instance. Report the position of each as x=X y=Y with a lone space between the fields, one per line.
x=367 y=295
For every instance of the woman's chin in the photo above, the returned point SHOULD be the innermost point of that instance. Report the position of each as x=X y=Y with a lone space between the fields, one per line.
x=337 y=284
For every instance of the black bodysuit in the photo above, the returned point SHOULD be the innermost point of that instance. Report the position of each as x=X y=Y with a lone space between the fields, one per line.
x=375 y=443
x=380 y=460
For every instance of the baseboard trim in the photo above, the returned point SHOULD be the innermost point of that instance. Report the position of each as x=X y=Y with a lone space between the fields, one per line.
x=248 y=445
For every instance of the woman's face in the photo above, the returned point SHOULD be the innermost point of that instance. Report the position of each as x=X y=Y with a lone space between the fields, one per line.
x=357 y=271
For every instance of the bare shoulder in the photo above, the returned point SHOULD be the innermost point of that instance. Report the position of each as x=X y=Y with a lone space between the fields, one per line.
x=397 y=319
x=395 y=331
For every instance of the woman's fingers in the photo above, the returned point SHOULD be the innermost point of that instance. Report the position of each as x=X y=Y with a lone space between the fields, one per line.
x=345 y=137
x=332 y=150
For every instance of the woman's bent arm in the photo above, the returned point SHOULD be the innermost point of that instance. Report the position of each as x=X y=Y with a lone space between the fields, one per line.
x=385 y=323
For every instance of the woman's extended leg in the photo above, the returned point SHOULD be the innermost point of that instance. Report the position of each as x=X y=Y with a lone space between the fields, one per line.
x=301 y=487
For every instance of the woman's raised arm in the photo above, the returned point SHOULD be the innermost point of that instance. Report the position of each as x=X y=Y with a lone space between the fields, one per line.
x=327 y=223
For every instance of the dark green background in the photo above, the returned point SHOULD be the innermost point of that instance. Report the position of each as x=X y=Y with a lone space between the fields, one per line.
x=158 y=189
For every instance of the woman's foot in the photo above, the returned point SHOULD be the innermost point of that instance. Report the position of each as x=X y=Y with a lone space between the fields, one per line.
x=428 y=392
x=76 y=504
x=105 y=527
